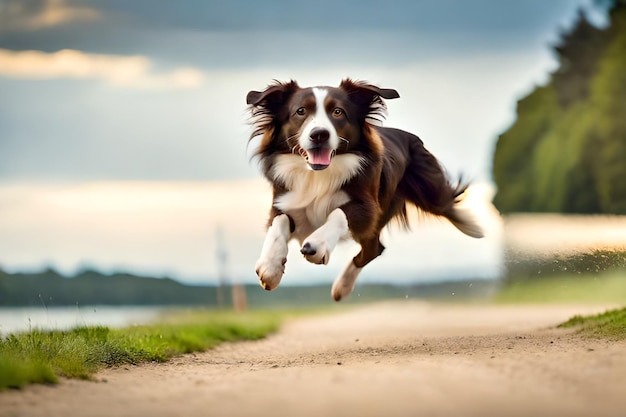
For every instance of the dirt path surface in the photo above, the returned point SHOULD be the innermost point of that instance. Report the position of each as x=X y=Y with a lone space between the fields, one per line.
x=390 y=359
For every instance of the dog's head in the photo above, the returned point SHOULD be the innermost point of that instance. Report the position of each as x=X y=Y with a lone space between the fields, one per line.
x=315 y=122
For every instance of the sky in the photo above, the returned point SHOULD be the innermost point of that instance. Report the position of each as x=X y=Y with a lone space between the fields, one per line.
x=123 y=125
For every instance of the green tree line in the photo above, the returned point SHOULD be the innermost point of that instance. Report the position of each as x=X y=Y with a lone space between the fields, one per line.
x=566 y=151
x=49 y=289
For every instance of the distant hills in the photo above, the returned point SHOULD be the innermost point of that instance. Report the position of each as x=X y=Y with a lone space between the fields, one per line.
x=93 y=288
x=566 y=152
x=49 y=289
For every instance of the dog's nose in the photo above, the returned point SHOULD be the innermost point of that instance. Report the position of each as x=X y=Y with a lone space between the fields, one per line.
x=319 y=135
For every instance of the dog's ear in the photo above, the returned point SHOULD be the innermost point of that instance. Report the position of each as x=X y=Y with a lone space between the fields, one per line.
x=265 y=107
x=364 y=93
x=273 y=95
x=368 y=99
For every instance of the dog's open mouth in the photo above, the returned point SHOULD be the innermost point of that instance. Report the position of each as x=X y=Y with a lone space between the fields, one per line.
x=318 y=158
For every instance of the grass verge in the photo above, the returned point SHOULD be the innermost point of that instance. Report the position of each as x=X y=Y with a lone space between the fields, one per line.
x=610 y=325
x=605 y=287
x=44 y=356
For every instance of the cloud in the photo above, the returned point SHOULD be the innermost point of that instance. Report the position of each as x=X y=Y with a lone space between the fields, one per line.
x=19 y=15
x=118 y=70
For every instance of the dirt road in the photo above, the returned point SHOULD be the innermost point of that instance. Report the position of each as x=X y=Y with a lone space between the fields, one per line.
x=390 y=359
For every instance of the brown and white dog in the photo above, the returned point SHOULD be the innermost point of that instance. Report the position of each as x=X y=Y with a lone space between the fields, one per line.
x=336 y=175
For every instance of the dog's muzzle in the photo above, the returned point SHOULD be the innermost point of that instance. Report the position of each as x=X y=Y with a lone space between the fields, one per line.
x=319 y=155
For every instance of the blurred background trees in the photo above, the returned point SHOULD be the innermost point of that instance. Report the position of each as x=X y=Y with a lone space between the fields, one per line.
x=566 y=151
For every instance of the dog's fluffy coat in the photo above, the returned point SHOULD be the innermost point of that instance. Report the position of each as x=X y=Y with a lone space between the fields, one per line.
x=336 y=174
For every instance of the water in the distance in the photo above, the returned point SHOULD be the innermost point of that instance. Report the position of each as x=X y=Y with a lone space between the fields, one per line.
x=23 y=319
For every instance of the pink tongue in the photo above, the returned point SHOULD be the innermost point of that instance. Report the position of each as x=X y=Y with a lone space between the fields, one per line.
x=319 y=156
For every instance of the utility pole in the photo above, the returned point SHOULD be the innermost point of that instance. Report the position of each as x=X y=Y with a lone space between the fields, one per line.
x=221 y=255
x=238 y=291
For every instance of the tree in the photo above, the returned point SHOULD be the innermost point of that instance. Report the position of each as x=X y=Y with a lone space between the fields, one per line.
x=578 y=53
x=566 y=152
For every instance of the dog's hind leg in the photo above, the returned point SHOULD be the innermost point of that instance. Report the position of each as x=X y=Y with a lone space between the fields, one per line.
x=271 y=264
x=344 y=284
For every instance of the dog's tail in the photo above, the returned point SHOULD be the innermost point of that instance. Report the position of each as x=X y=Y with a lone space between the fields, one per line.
x=463 y=219
x=426 y=185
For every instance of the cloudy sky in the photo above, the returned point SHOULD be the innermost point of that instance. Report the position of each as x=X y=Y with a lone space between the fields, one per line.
x=123 y=123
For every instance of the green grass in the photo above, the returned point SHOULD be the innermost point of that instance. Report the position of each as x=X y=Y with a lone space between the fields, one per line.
x=610 y=325
x=44 y=356
x=604 y=287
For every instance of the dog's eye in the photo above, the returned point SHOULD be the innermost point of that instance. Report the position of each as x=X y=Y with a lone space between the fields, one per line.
x=300 y=111
x=337 y=112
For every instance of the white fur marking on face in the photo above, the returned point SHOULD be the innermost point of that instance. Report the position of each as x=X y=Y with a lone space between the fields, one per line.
x=317 y=191
x=321 y=120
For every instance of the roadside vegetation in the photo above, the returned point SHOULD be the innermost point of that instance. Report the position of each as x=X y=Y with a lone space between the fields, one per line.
x=598 y=276
x=606 y=287
x=44 y=356
x=610 y=324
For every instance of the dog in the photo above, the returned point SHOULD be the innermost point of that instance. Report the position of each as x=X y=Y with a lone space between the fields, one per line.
x=337 y=174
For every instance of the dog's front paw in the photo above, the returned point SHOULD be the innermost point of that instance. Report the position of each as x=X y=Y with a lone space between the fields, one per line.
x=270 y=272
x=315 y=252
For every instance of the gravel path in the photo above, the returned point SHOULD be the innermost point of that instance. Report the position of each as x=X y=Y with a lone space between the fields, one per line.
x=388 y=359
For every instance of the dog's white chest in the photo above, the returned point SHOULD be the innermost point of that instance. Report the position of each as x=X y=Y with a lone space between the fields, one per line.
x=316 y=193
